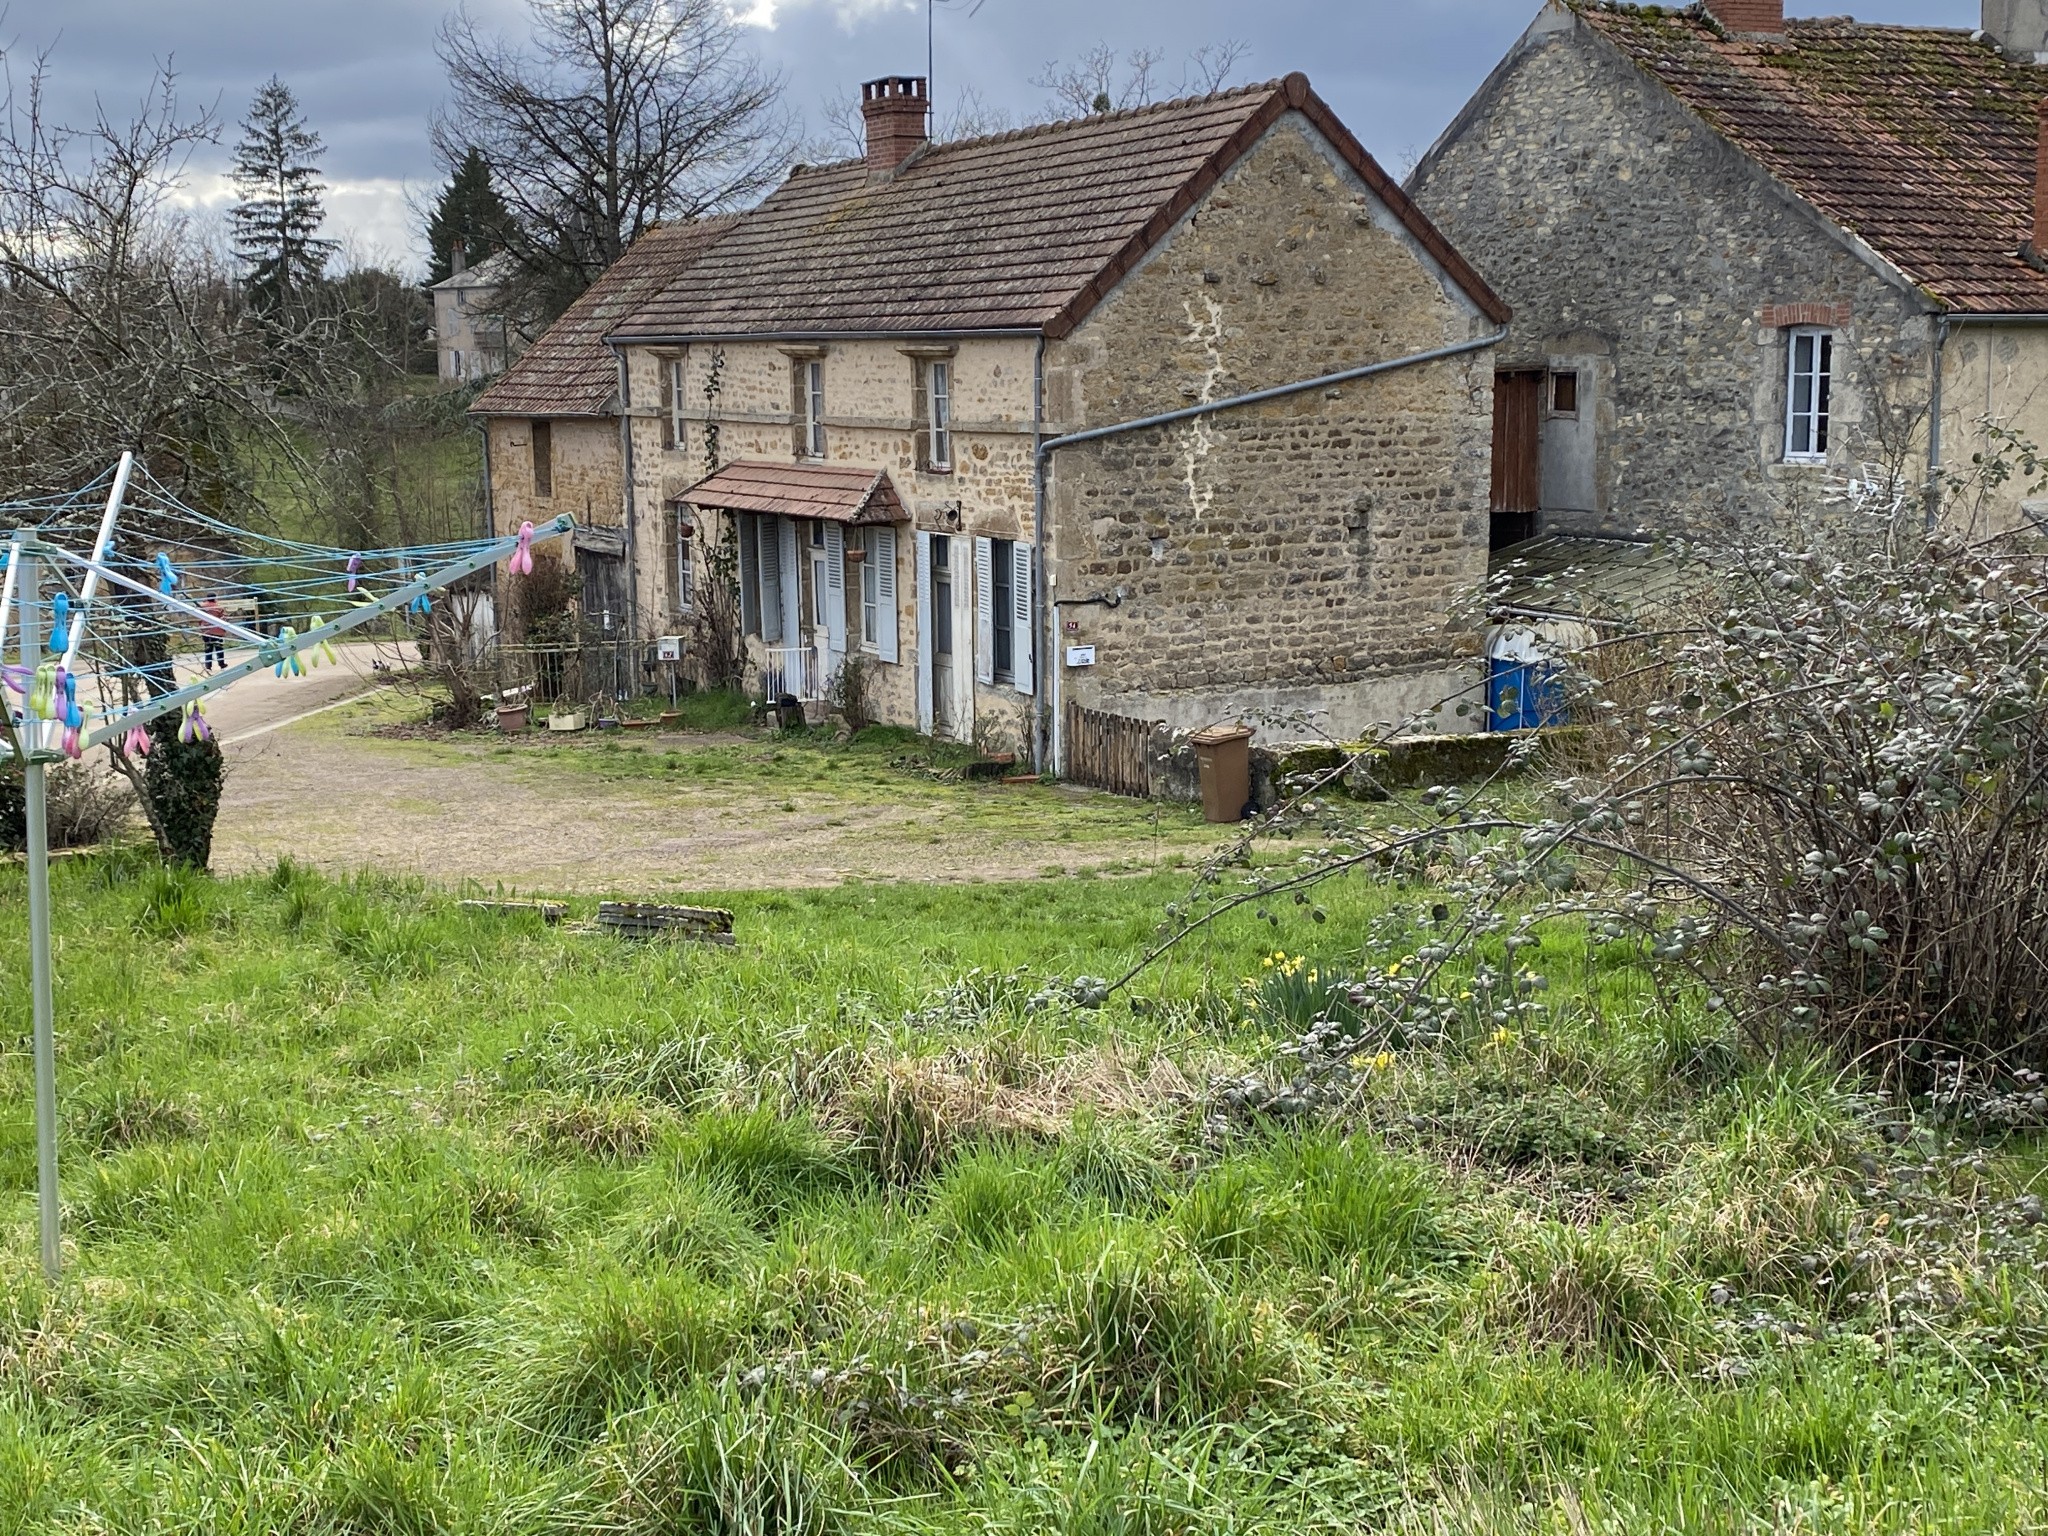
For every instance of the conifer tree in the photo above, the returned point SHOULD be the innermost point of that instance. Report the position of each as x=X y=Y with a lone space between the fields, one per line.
x=275 y=226
x=469 y=214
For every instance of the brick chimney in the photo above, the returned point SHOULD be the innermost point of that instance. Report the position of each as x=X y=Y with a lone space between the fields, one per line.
x=458 y=259
x=895 y=113
x=2019 y=27
x=1766 y=16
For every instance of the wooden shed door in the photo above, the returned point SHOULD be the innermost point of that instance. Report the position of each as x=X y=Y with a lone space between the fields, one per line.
x=1517 y=455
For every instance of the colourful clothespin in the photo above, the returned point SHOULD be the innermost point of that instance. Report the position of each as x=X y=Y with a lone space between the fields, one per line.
x=323 y=651
x=521 y=563
x=42 y=697
x=355 y=568
x=421 y=605
x=290 y=660
x=20 y=679
x=67 y=700
x=136 y=743
x=166 y=575
x=194 y=727
x=60 y=624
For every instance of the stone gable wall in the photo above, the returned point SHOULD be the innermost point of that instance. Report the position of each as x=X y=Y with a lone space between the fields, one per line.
x=1635 y=244
x=1300 y=555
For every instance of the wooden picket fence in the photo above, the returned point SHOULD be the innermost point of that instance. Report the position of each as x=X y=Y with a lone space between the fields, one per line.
x=1112 y=752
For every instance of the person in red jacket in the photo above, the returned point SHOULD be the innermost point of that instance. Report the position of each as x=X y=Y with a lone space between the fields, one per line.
x=213 y=635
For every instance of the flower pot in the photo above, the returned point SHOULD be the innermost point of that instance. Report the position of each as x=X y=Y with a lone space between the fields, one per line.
x=607 y=723
x=568 y=720
x=671 y=720
x=637 y=725
x=513 y=719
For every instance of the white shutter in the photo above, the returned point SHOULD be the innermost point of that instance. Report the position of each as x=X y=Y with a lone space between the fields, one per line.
x=835 y=587
x=792 y=584
x=984 y=611
x=1021 y=662
x=750 y=574
x=924 y=633
x=883 y=553
x=769 y=563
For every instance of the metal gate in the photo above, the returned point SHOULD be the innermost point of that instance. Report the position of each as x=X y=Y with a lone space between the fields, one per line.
x=1112 y=752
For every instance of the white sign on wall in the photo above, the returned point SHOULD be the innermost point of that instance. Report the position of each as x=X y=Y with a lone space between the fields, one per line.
x=1080 y=655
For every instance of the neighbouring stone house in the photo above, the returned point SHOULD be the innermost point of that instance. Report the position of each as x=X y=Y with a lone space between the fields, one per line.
x=903 y=406
x=553 y=431
x=1751 y=257
x=470 y=339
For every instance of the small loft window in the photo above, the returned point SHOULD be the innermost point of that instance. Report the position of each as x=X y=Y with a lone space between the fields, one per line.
x=543 y=459
x=811 y=399
x=940 y=404
x=1809 y=395
x=1564 y=392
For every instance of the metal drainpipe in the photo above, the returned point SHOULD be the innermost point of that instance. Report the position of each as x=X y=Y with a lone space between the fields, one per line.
x=1045 y=745
x=1934 y=465
x=1044 y=450
x=631 y=510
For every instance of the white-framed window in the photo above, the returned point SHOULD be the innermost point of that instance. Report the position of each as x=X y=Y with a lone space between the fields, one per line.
x=1809 y=392
x=939 y=401
x=685 y=536
x=811 y=378
x=675 y=434
x=870 y=594
x=878 y=593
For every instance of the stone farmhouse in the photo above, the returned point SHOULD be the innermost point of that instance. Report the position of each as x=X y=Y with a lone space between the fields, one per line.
x=1751 y=257
x=1171 y=415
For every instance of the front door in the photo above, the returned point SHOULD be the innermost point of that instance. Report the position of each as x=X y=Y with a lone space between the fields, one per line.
x=945 y=720
x=1517 y=455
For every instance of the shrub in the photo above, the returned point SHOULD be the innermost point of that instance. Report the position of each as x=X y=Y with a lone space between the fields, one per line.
x=183 y=781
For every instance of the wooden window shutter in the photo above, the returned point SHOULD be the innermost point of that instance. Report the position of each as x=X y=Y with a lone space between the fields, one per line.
x=769 y=564
x=925 y=658
x=883 y=552
x=1021 y=666
x=750 y=574
x=799 y=408
x=835 y=587
x=984 y=611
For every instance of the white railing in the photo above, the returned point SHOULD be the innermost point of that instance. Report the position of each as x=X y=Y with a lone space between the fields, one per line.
x=794 y=669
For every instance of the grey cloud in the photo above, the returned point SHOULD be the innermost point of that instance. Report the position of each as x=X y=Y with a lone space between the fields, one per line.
x=1395 y=70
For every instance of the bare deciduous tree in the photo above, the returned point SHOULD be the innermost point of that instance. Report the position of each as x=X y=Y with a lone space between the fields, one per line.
x=618 y=114
x=117 y=329
x=1102 y=81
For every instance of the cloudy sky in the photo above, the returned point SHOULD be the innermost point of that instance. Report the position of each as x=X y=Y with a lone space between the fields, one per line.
x=1395 y=70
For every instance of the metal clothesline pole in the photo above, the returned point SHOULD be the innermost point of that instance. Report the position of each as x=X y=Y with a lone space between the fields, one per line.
x=33 y=738
x=34 y=774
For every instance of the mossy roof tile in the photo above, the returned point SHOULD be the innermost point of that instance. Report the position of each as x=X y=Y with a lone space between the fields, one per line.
x=1918 y=140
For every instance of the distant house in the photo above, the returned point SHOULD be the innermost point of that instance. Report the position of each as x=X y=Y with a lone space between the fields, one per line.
x=1749 y=257
x=470 y=340
x=904 y=408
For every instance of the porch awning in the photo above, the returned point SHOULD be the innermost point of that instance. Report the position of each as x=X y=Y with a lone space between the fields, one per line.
x=833 y=493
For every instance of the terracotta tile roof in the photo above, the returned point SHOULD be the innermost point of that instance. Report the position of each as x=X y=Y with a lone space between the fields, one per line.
x=569 y=371
x=836 y=493
x=1918 y=140
x=1024 y=231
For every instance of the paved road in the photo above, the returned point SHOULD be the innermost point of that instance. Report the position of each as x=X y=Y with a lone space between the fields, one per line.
x=260 y=703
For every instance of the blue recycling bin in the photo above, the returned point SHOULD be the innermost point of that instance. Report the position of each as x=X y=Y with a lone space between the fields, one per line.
x=1523 y=695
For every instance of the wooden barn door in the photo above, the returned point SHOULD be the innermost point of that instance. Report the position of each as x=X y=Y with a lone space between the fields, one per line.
x=1517 y=455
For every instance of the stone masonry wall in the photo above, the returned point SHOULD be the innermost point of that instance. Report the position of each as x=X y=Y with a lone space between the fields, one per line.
x=745 y=391
x=1636 y=244
x=1301 y=555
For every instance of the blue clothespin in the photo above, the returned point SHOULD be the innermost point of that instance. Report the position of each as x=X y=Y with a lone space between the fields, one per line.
x=166 y=575
x=60 y=624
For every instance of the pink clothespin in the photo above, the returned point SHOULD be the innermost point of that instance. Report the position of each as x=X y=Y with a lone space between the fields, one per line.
x=136 y=742
x=522 y=558
x=355 y=566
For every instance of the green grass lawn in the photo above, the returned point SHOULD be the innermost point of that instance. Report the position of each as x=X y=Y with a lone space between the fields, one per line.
x=386 y=1216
